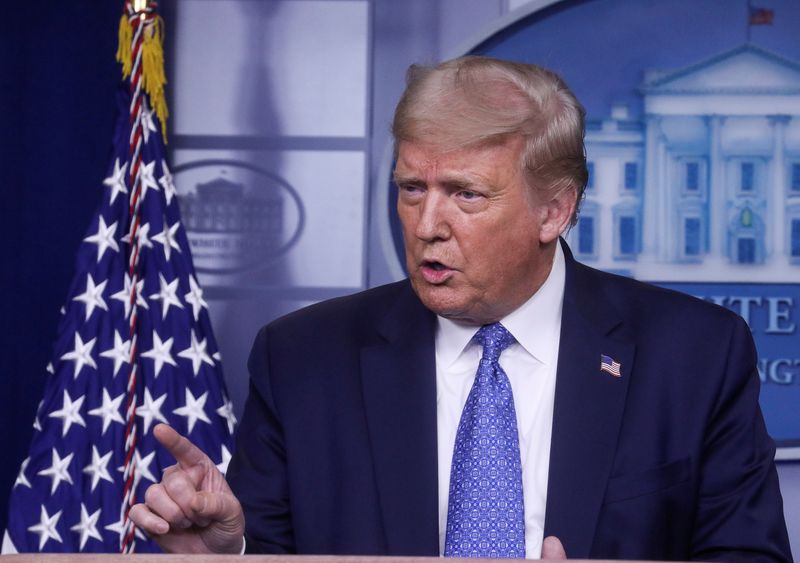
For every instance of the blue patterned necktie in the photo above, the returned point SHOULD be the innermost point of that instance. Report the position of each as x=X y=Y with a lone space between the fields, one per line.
x=485 y=514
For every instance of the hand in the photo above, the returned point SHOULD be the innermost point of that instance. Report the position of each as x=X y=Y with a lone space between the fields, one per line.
x=552 y=549
x=192 y=509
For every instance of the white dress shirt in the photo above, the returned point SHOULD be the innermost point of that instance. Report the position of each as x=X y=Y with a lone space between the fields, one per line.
x=530 y=364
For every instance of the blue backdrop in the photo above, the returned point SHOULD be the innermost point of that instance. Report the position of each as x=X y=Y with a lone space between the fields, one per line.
x=57 y=104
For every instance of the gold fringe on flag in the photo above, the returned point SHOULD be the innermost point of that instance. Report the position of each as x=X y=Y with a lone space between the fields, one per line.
x=124 y=46
x=153 y=78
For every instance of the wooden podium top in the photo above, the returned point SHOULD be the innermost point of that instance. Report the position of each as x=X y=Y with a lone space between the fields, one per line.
x=203 y=558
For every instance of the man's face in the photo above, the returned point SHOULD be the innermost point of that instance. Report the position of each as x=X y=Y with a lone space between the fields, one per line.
x=478 y=241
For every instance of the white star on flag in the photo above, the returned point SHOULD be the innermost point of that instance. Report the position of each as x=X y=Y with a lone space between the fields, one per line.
x=167 y=295
x=21 y=478
x=146 y=173
x=58 y=471
x=93 y=296
x=98 y=469
x=124 y=295
x=81 y=355
x=104 y=238
x=167 y=238
x=118 y=527
x=142 y=465
x=109 y=410
x=120 y=353
x=166 y=183
x=37 y=425
x=148 y=125
x=226 y=459
x=160 y=353
x=87 y=527
x=195 y=298
x=193 y=409
x=69 y=413
x=226 y=412
x=46 y=528
x=117 y=180
x=151 y=410
x=141 y=236
x=197 y=353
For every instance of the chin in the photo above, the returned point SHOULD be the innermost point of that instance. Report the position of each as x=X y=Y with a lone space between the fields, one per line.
x=439 y=299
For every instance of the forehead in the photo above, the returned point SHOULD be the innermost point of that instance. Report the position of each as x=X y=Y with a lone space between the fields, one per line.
x=487 y=161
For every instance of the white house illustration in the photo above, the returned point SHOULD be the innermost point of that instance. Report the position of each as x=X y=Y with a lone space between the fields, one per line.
x=707 y=186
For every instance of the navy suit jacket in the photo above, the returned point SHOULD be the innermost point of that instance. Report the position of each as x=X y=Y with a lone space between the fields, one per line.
x=337 y=453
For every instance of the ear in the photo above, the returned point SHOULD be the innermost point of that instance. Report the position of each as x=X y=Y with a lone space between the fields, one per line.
x=557 y=214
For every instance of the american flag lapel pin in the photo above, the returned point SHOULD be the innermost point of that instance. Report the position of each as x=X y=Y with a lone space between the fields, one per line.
x=608 y=365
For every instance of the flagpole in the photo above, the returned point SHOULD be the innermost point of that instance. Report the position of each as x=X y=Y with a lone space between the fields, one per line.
x=747 y=19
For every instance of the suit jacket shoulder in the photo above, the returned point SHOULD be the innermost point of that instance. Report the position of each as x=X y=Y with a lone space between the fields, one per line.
x=670 y=458
x=353 y=317
x=336 y=452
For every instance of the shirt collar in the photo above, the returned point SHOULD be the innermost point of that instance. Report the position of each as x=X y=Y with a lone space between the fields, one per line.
x=536 y=324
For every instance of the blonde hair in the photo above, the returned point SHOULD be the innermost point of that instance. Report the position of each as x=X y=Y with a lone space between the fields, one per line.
x=472 y=100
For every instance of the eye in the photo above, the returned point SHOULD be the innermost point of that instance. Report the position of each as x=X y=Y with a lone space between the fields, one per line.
x=410 y=188
x=468 y=195
x=410 y=192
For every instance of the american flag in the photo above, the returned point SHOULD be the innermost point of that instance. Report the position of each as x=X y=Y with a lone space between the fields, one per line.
x=761 y=16
x=608 y=365
x=134 y=347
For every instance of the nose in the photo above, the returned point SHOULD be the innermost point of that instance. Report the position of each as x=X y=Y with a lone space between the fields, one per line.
x=433 y=223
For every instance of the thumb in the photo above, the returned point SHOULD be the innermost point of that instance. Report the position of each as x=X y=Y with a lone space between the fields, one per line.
x=552 y=549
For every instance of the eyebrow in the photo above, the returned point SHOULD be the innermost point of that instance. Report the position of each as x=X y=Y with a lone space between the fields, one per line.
x=398 y=179
x=452 y=180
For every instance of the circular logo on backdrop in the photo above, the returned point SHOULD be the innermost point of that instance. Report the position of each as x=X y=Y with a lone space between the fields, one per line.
x=237 y=216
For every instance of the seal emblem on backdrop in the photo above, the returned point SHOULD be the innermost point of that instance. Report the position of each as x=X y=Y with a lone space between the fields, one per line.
x=237 y=216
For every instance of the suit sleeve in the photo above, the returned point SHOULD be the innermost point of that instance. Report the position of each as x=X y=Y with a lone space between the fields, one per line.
x=258 y=472
x=740 y=512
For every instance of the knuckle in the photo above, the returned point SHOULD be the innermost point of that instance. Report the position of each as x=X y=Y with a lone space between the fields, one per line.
x=152 y=494
x=178 y=485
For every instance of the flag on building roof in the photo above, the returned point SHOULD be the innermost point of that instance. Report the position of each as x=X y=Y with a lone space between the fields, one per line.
x=134 y=344
x=761 y=16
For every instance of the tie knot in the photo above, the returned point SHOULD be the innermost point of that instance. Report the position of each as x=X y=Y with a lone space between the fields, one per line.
x=495 y=338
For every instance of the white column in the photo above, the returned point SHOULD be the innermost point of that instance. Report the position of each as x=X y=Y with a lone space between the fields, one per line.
x=666 y=206
x=776 y=196
x=607 y=170
x=650 y=193
x=718 y=231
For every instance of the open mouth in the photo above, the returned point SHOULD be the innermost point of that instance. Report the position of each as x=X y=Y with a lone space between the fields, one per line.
x=438 y=266
x=435 y=272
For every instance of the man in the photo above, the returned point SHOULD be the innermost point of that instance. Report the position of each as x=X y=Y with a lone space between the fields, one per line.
x=501 y=395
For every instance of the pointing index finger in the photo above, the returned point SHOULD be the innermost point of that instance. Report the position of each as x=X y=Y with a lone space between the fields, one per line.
x=185 y=453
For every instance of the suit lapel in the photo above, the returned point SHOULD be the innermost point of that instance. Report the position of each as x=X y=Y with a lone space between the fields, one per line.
x=588 y=410
x=399 y=385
